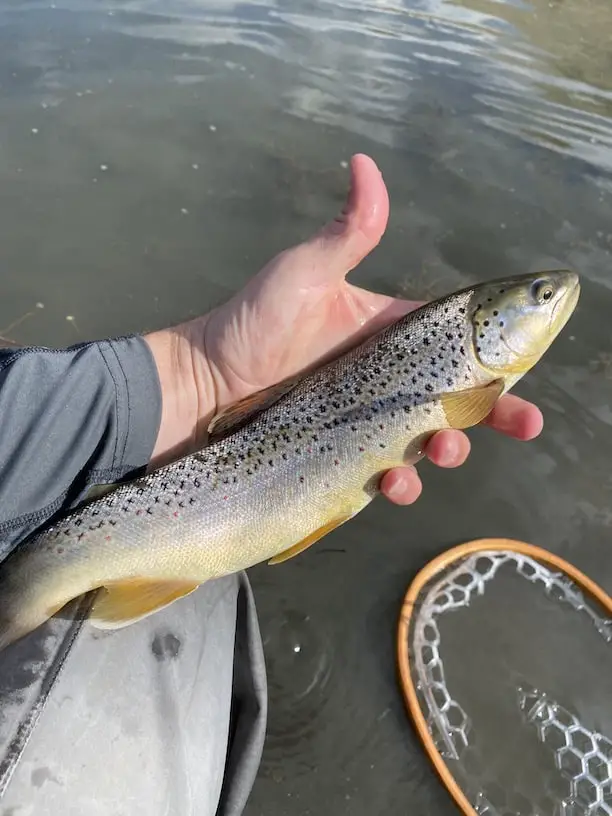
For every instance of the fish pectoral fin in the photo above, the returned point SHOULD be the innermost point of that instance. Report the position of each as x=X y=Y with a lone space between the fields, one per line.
x=122 y=603
x=463 y=409
x=298 y=548
x=238 y=413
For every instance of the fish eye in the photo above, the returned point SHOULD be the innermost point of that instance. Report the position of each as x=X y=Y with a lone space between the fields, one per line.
x=543 y=291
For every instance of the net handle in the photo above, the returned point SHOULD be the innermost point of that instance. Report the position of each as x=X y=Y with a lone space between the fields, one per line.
x=443 y=561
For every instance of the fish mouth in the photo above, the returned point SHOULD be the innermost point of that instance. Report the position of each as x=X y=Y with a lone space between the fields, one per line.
x=564 y=307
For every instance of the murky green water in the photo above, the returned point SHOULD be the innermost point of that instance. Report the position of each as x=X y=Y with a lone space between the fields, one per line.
x=153 y=156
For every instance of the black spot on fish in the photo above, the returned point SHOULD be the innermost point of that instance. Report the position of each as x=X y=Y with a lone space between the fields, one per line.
x=166 y=647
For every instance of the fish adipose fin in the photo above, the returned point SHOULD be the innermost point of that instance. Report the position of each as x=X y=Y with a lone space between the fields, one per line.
x=463 y=409
x=298 y=548
x=124 y=602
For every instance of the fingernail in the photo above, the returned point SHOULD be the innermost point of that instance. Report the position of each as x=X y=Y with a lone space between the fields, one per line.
x=340 y=222
x=349 y=204
x=397 y=488
x=451 y=449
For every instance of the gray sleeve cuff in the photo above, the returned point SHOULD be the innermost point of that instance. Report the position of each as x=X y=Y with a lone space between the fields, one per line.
x=138 y=401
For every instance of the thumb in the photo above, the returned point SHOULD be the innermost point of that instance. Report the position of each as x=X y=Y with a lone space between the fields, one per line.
x=344 y=242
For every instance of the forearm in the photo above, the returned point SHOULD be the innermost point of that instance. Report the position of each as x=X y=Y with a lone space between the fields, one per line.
x=187 y=389
x=71 y=418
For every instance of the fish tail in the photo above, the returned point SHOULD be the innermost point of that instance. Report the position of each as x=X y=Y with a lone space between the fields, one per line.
x=22 y=609
x=10 y=633
x=16 y=623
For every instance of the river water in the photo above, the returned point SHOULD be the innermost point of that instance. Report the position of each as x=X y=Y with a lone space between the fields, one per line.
x=154 y=155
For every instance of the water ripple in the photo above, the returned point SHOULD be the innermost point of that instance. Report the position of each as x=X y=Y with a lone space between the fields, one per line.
x=357 y=64
x=363 y=66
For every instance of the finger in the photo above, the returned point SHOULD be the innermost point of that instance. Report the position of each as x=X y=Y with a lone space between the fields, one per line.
x=363 y=220
x=401 y=485
x=516 y=417
x=340 y=245
x=448 y=449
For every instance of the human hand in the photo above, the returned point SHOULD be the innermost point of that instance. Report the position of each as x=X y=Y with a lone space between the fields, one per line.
x=298 y=311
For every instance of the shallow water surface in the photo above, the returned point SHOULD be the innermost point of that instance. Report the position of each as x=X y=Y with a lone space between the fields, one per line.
x=153 y=156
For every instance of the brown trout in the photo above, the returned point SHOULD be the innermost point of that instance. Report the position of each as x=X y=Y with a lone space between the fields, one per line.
x=286 y=466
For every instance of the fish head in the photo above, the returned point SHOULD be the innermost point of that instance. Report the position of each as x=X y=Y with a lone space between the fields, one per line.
x=515 y=321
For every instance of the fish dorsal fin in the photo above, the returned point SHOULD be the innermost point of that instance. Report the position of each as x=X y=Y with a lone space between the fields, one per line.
x=121 y=603
x=237 y=414
x=463 y=409
x=98 y=491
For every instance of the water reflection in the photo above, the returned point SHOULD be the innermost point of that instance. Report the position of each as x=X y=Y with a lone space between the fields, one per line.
x=539 y=71
x=359 y=62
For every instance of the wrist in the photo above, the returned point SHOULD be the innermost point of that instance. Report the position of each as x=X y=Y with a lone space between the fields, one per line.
x=187 y=389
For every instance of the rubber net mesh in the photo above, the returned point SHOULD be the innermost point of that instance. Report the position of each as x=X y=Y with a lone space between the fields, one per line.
x=581 y=781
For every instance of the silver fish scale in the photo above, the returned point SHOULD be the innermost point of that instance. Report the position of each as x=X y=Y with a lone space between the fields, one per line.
x=362 y=400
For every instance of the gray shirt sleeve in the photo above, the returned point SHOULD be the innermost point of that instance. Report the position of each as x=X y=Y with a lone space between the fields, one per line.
x=71 y=418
